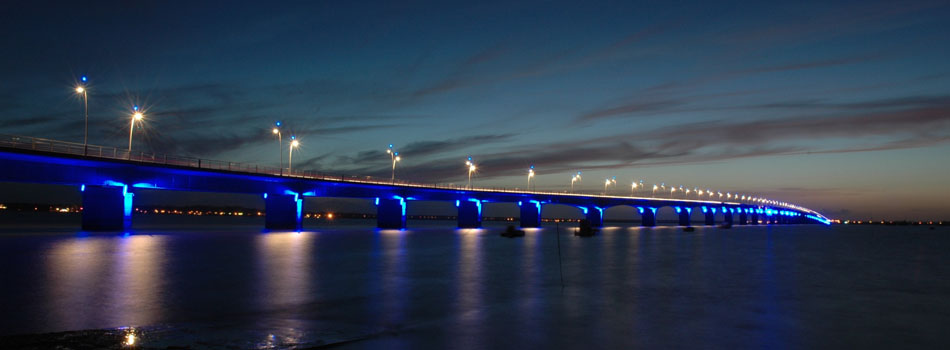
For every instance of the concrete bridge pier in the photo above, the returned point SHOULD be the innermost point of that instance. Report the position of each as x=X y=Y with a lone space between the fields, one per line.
x=470 y=214
x=283 y=211
x=743 y=217
x=683 y=214
x=106 y=208
x=596 y=216
x=754 y=218
x=530 y=213
x=710 y=216
x=648 y=217
x=391 y=213
x=727 y=217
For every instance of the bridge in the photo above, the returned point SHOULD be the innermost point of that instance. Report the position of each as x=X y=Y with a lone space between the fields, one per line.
x=109 y=177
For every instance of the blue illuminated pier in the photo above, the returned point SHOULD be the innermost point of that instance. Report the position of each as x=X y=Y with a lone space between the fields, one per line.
x=109 y=178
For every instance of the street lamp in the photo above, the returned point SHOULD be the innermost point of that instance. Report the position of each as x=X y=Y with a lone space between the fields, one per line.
x=290 y=158
x=575 y=178
x=471 y=169
x=136 y=115
x=608 y=182
x=655 y=187
x=395 y=158
x=530 y=175
x=280 y=145
x=81 y=89
x=672 y=189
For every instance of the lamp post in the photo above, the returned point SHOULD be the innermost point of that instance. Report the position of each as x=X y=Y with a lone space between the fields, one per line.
x=471 y=169
x=633 y=189
x=136 y=115
x=530 y=176
x=655 y=187
x=575 y=178
x=81 y=89
x=280 y=146
x=395 y=158
x=290 y=158
x=608 y=182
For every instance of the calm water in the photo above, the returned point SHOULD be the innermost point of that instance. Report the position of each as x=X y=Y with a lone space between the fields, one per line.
x=436 y=287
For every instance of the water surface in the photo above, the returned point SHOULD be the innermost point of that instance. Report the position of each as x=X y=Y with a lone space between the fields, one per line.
x=437 y=287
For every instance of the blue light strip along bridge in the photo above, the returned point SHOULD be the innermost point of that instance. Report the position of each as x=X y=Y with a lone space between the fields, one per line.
x=108 y=178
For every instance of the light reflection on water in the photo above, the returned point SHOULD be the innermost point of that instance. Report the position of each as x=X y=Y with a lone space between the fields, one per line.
x=113 y=280
x=285 y=268
x=394 y=275
x=469 y=311
x=138 y=284
x=435 y=287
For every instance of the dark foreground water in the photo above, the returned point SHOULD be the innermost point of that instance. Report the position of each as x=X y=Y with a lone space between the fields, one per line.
x=796 y=287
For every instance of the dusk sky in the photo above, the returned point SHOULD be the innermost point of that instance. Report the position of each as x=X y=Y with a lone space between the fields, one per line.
x=840 y=107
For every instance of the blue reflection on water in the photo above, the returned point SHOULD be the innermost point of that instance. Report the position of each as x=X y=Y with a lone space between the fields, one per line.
x=767 y=286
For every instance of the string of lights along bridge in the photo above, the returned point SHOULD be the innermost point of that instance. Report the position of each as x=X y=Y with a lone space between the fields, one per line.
x=109 y=177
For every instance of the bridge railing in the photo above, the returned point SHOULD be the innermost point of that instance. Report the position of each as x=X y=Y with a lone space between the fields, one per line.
x=96 y=151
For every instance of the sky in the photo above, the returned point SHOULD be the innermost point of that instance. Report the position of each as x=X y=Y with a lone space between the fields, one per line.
x=841 y=107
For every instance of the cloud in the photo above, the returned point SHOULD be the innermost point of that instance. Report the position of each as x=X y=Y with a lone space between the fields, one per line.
x=643 y=106
x=809 y=127
x=418 y=151
x=658 y=98
x=925 y=124
x=463 y=73
x=809 y=64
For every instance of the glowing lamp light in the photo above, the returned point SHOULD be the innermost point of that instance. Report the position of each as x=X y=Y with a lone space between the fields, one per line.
x=137 y=115
x=84 y=78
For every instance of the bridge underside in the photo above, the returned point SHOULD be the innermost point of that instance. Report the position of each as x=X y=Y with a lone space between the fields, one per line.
x=109 y=208
x=108 y=187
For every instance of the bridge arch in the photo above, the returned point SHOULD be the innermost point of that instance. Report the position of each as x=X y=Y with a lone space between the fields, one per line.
x=623 y=213
x=667 y=215
x=563 y=211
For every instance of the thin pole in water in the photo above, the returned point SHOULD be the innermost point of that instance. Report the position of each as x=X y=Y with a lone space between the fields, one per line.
x=559 y=267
